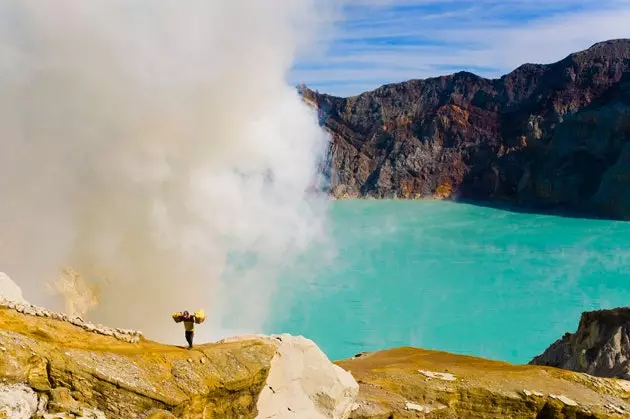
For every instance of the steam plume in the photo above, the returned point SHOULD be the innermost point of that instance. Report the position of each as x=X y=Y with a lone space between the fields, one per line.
x=154 y=150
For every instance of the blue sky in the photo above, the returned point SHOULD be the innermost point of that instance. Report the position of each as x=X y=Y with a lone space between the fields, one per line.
x=383 y=41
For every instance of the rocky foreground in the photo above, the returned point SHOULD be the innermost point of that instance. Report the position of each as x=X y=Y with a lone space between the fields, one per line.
x=55 y=367
x=542 y=137
x=412 y=383
x=52 y=367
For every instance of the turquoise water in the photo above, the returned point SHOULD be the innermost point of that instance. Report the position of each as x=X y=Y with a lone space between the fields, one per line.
x=452 y=277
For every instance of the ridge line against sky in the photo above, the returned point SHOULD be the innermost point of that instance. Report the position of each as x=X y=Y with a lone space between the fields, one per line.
x=386 y=41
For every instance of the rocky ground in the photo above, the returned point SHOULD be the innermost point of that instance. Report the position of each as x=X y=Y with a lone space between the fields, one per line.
x=412 y=383
x=600 y=346
x=54 y=367
x=131 y=336
x=542 y=137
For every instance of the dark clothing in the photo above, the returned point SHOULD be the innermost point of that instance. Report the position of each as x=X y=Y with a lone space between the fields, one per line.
x=189 y=338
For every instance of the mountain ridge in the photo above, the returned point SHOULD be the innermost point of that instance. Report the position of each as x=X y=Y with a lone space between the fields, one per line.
x=505 y=140
x=525 y=66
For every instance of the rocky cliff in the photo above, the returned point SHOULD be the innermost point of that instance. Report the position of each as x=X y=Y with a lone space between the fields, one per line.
x=600 y=346
x=541 y=137
x=53 y=366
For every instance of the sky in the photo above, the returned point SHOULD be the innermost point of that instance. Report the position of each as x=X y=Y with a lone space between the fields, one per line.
x=376 y=42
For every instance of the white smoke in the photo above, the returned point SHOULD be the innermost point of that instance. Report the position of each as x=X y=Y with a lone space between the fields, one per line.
x=155 y=149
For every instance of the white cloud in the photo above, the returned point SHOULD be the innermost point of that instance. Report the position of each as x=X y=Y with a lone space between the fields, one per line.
x=384 y=43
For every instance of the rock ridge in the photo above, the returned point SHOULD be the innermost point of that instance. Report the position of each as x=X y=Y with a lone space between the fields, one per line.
x=125 y=335
x=543 y=137
x=411 y=383
x=52 y=366
x=600 y=346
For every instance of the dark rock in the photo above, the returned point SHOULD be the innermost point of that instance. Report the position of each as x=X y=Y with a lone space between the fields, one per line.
x=540 y=137
x=600 y=347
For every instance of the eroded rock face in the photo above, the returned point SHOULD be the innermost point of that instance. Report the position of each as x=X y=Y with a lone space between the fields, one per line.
x=541 y=137
x=600 y=346
x=64 y=370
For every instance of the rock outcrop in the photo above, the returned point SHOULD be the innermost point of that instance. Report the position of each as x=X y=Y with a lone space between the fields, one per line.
x=541 y=137
x=302 y=383
x=52 y=366
x=125 y=335
x=600 y=346
x=412 y=383
x=9 y=290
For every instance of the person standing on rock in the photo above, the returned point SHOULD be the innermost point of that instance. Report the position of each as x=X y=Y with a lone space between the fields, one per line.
x=189 y=323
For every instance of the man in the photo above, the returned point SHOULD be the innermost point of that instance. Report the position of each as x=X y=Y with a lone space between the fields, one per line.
x=189 y=326
x=189 y=323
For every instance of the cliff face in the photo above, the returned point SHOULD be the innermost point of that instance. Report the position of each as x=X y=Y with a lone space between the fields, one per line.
x=543 y=136
x=600 y=346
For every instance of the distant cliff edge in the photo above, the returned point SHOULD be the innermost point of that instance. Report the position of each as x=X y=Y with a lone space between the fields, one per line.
x=543 y=137
x=600 y=346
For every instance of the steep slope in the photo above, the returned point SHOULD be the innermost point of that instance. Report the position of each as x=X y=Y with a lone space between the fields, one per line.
x=542 y=136
x=600 y=346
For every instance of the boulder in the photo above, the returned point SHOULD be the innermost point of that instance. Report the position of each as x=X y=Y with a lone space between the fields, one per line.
x=304 y=383
x=17 y=401
x=9 y=290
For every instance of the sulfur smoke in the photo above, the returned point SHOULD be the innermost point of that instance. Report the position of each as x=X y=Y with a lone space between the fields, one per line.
x=154 y=157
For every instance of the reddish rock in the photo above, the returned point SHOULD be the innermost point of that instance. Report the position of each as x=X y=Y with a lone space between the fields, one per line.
x=540 y=137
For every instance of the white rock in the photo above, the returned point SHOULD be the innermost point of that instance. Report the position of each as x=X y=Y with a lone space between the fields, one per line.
x=623 y=384
x=533 y=393
x=564 y=399
x=42 y=404
x=413 y=406
x=615 y=409
x=17 y=401
x=423 y=409
x=92 y=414
x=9 y=290
x=439 y=375
x=303 y=383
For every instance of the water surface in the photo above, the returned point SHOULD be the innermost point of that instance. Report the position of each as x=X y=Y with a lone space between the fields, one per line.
x=453 y=277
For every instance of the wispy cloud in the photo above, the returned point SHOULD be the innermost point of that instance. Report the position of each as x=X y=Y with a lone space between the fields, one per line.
x=384 y=41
